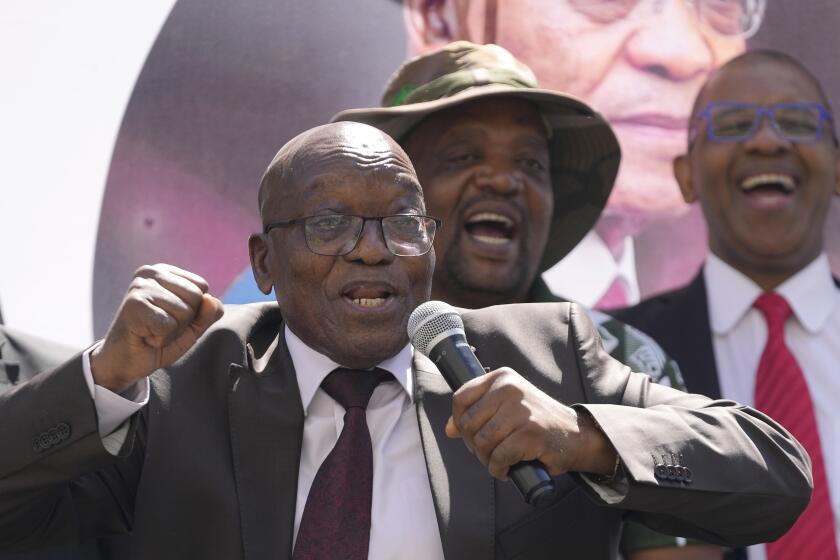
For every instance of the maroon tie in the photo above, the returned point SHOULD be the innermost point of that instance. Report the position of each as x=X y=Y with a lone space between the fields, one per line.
x=336 y=517
x=782 y=393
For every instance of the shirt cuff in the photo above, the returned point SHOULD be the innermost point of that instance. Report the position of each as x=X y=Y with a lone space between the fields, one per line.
x=112 y=409
x=612 y=492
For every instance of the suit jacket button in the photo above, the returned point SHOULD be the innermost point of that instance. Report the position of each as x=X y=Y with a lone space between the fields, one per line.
x=52 y=434
x=660 y=472
x=44 y=440
x=688 y=476
x=63 y=430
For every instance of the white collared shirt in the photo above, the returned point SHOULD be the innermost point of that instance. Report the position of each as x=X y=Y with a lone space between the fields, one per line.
x=588 y=271
x=739 y=334
x=403 y=519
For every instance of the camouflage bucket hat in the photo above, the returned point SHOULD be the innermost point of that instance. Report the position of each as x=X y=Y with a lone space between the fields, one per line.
x=584 y=151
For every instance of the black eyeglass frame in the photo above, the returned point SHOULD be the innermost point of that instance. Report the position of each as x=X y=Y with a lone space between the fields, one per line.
x=365 y=219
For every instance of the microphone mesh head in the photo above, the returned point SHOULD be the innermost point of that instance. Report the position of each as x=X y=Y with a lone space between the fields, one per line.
x=429 y=320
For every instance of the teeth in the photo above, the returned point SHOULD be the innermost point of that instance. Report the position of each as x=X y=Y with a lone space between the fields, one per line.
x=766 y=178
x=491 y=240
x=369 y=302
x=491 y=217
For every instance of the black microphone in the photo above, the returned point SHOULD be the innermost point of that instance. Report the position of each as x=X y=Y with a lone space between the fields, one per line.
x=437 y=331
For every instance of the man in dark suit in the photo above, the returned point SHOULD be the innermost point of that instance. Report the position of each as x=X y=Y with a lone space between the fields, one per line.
x=309 y=428
x=763 y=163
x=519 y=174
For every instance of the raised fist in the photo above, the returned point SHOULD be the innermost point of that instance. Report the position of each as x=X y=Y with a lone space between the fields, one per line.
x=165 y=310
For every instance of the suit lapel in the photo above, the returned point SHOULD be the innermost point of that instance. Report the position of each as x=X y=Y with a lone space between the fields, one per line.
x=696 y=355
x=266 y=430
x=462 y=489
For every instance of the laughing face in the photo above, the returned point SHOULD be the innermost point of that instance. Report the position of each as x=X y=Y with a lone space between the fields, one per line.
x=484 y=167
x=352 y=308
x=765 y=198
x=640 y=64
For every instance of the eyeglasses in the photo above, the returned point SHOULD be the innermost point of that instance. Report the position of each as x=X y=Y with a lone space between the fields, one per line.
x=732 y=18
x=738 y=122
x=406 y=235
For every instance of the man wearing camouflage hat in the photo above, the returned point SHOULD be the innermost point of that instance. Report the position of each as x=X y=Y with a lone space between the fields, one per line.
x=519 y=175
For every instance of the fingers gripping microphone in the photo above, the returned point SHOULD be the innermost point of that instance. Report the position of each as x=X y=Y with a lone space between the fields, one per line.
x=437 y=331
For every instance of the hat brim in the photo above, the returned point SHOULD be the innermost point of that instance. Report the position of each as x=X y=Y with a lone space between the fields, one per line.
x=584 y=151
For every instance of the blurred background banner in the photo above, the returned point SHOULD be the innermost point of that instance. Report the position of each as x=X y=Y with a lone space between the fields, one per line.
x=136 y=132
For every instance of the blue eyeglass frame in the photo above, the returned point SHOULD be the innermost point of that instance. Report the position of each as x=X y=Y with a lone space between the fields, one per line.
x=761 y=113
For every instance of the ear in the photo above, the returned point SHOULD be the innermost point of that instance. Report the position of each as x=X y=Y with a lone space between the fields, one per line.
x=258 y=252
x=682 y=172
x=430 y=24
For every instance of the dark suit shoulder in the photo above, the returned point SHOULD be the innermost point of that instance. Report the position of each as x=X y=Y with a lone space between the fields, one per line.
x=500 y=314
x=23 y=355
x=226 y=342
x=243 y=324
x=647 y=314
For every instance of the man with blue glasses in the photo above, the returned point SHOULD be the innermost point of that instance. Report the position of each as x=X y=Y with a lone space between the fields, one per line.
x=640 y=63
x=761 y=322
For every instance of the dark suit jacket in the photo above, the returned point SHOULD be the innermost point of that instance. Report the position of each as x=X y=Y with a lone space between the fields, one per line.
x=679 y=322
x=209 y=469
x=22 y=356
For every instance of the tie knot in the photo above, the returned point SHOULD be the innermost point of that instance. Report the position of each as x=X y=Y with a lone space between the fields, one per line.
x=352 y=388
x=775 y=309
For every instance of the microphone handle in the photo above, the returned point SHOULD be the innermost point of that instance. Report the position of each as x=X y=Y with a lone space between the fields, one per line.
x=459 y=364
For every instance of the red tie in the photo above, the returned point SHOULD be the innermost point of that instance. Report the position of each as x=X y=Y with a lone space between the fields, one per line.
x=336 y=517
x=782 y=393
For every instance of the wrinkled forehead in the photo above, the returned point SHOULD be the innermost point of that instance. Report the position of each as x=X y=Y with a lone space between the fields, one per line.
x=353 y=150
x=334 y=155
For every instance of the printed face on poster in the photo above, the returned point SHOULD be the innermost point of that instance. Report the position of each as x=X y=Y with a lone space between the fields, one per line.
x=225 y=86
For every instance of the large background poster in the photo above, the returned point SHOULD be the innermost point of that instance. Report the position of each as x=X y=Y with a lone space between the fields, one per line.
x=137 y=134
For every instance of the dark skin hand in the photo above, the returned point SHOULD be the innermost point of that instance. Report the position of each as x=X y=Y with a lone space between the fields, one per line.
x=165 y=310
x=503 y=419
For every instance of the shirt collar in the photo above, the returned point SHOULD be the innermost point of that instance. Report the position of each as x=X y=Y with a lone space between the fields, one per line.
x=312 y=367
x=810 y=292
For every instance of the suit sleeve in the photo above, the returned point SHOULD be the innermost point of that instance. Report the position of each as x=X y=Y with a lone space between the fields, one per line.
x=749 y=478
x=58 y=484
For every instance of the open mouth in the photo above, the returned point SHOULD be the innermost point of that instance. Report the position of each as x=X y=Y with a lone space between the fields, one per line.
x=769 y=184
x=491 y=228
x=368 y=296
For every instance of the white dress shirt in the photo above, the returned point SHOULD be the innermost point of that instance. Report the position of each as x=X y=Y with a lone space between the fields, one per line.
x=588 y=271
x=403 y=519
x=739 y=334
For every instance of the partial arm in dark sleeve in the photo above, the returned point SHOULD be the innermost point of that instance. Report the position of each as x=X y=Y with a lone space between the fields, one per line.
x=749 y=478
x=58 y=484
